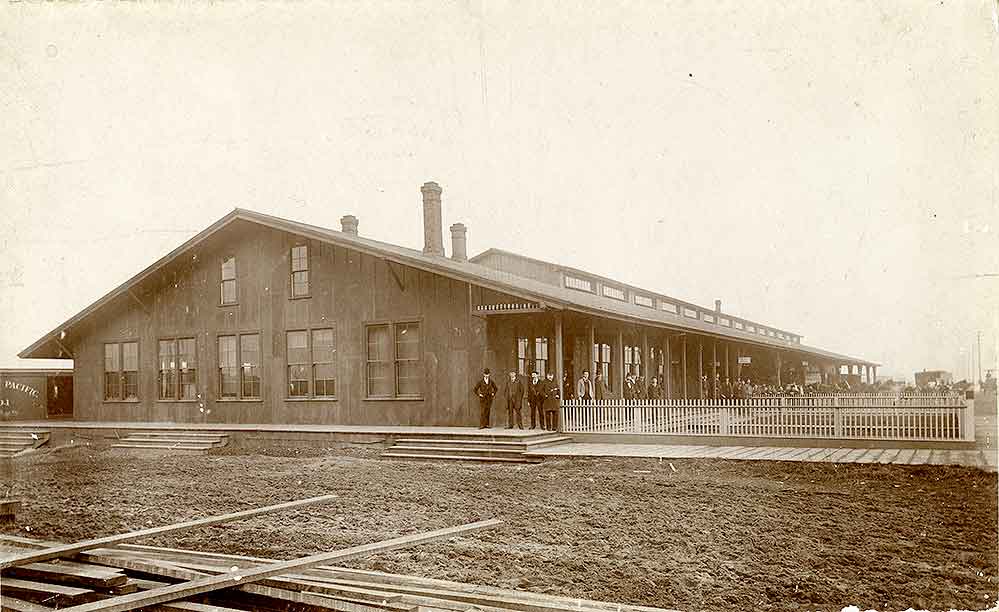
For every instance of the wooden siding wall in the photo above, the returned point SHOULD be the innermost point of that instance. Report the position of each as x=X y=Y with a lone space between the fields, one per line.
x=348 y=290
x=23 y=396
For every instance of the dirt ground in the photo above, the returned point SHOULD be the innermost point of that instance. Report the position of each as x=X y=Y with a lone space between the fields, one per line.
x=711 y=535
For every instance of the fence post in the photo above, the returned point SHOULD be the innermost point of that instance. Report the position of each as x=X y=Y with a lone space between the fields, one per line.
x=837 y=422
x=969 y=420
x=723 y=420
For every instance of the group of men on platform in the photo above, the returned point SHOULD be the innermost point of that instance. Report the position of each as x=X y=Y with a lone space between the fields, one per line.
x=542 y=394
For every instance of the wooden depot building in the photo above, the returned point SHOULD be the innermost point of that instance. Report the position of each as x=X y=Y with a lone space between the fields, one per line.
x=259 y=319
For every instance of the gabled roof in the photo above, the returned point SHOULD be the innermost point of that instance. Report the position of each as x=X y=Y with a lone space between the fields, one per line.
x=549 y=296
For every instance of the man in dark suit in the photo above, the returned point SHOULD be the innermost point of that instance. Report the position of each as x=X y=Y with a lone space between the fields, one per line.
x=553 y=396
x=536 y=398
x=514 y=394
x=486 y=390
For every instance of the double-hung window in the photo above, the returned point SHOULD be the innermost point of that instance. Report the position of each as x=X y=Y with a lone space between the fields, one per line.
x=312 y=363
x=227 y=287
x=300 y=271
x=121 y=371
x=178 y=369
x=394 y=365
x=239 y=366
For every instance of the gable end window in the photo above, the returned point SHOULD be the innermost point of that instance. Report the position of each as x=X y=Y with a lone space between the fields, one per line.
x=394 y=367
x=121 y=371
x=300 y=271
x=227 y=287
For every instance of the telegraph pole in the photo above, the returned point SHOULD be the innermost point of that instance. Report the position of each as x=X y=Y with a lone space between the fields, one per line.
x=979 y=357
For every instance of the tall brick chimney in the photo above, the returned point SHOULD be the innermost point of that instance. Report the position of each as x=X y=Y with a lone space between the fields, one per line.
x=433 y=239
x=459 y=251
x=348 y=223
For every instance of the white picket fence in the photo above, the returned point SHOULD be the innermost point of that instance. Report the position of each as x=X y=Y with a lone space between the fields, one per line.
x=922 y=417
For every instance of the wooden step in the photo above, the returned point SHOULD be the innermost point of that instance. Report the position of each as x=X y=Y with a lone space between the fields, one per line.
x=179 y=433
x=455 y=449
x=164 y=441
x=160 y=449
x=415 y=457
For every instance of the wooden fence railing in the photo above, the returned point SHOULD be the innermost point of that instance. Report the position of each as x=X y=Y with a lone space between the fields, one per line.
x=857 y=416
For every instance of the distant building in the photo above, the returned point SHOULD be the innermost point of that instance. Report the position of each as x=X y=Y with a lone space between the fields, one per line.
x=930 y=378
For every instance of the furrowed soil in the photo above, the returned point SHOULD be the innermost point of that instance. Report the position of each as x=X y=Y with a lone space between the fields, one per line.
x=700 y=535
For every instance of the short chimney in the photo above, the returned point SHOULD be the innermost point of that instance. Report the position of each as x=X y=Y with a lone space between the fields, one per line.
x=433 y=239
x=717 y=305
x=458 y=242
x=349 y=224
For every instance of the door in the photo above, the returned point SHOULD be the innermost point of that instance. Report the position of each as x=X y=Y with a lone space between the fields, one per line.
x=60 y=397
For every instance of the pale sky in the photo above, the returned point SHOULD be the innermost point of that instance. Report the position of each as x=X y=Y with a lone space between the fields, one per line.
x=826 y=168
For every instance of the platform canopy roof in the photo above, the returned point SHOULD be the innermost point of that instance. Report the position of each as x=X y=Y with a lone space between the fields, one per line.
x=546 y=295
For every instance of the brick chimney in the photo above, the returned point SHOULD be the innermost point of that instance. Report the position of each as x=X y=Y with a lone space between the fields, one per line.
x=348 y=223
x=433 y=239
x=458 y=242
x=718 y=306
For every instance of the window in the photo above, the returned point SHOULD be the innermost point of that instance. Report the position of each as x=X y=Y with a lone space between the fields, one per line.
x=408 y=373
x=168 y=370
x=541 y=356
x=738 y=324
x=643 y=300
x=532 y=356
x=668 y=307
x=602 y=358
x=300 y=271
x=523 y=355
x=324 y=362
x=573 y=282
x=707 y=317
x=725 y=322
x=633 y=360
x=762 y=331
x=187 y=355
x=690 y=312
x=312 y=366
x=228 y=288
x=228 y=372
x=249 y=359
x=298 y=364
x=394 y=364
x=613 y=292
x=121 y=371
x=177 y=377
x=239 y=372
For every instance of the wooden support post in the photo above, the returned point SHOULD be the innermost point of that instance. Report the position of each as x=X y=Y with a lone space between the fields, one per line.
x=645 y=369
x=777 y=362
x=728 y=362
x=700 y=369
x=666 y=366
x=591 y=362
x=208 y=584
x=619 y=355
x=683 y=360
x=714 y=366
x=66 y=550
x=559 y=367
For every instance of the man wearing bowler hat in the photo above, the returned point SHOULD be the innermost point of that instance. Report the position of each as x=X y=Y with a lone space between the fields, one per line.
x=486 y=390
